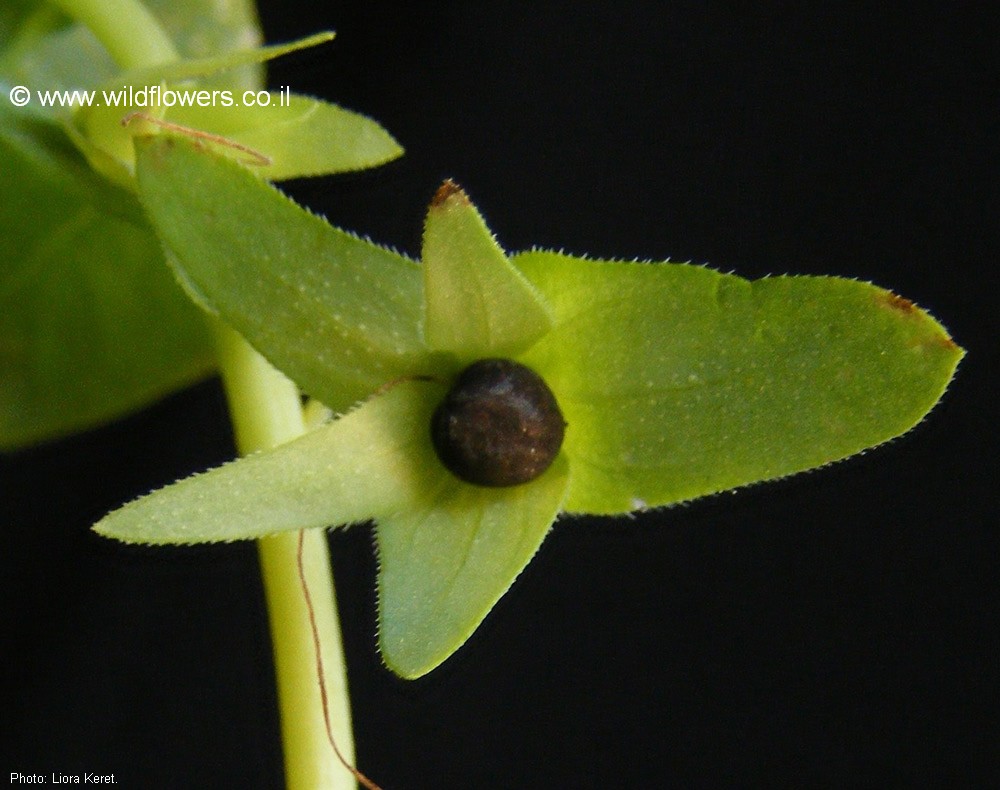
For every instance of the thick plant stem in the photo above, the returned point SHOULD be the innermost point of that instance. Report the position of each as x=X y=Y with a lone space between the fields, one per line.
x=266 y=410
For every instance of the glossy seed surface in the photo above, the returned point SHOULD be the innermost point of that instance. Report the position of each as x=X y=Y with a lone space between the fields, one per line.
x=499 y=424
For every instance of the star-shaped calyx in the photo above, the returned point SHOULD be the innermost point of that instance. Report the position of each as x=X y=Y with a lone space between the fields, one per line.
x=627 y=385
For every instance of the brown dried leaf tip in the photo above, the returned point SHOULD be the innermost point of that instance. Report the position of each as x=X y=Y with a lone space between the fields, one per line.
x=448 y=190
x=899 y=303
x=907 y=307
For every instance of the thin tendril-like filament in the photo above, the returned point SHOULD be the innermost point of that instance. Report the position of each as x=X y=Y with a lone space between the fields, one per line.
x=364 y=780
x=256 y=157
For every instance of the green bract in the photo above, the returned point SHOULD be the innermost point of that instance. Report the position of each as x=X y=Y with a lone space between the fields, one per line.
x=676 y=381
x=92 y=324
x=292 y=132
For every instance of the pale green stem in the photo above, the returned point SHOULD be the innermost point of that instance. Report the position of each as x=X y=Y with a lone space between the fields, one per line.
x=126 y=28
x=266 y=410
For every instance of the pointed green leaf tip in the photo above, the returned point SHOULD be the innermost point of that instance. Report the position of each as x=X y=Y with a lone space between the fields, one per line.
x=477 y=304
x=445 y=563
x=374 y=460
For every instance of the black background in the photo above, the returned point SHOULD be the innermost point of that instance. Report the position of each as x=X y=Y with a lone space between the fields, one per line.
x=838 y=628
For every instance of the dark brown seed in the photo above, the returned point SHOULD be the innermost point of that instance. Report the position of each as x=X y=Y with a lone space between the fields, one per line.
x=499 y=424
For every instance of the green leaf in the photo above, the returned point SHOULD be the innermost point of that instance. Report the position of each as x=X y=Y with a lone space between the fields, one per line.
x=92 y=325
x=300 y=136
x=677 y=381
x=374 y=460
x=478 y=304
x=443 y=565
x=306 y=137
x=339 y=315
x=100 y=124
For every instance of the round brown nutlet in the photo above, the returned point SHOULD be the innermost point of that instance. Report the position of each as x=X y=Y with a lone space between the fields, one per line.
x=499 y=424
